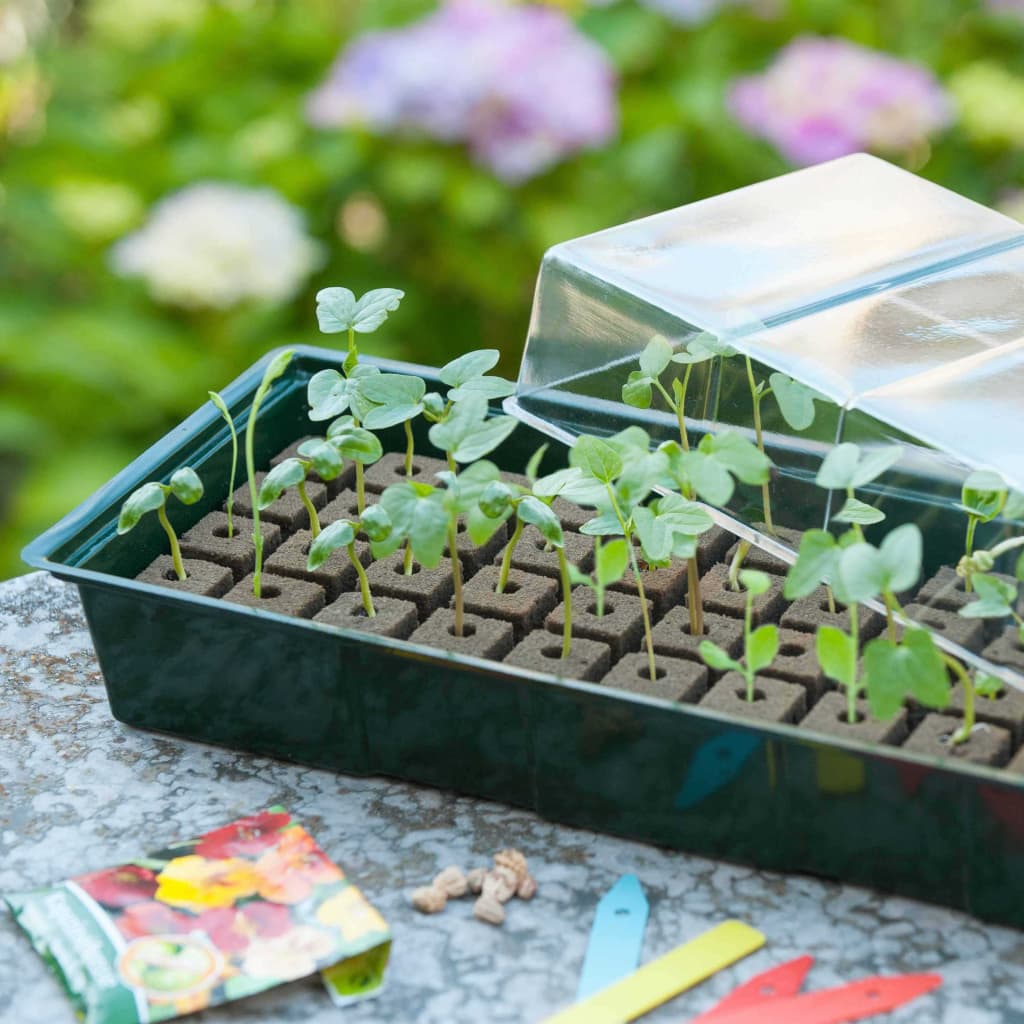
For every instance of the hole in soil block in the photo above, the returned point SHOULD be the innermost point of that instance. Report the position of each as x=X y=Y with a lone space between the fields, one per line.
x=399 y=569
x=541 y=544
x=358 y=611
x=468 y=629
x=741 y=692
x=644 y=672
x=460 y=528
x=552 y=651
x=843 y=718
x=305 y=549
x=686 y=629
x=608 y=608
x=170 y=574
x=268 y=591
x=399 y=470
x=791 y=650
x=220 y=531
x=511 y=587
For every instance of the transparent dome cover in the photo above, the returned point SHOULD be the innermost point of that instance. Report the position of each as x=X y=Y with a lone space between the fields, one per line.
x=900 y=303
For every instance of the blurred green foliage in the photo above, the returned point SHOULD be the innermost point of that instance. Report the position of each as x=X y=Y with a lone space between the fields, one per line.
x=128 y=100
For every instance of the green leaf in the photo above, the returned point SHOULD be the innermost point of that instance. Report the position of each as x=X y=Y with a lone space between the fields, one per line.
x=220 y=405
x=837 y=470
x=485 y=439
x=708 y=477
x=1019 y=568
x=632 y=443
x=996 y=598
x=815 y=563
x=473 y=364
x=480 y=528
x=186 y=486
x=837 y=655
x=703 y=347
x=913 y=668
x=861 y=574
x=902 y=553
x=681 y=515
x=533 y=466
x=1014 y=507
x=417 y=513
x=338 y=310
x=754 y=582
x=762 y=647
x=338 y=534
x=741 y=457
x=856 y=511
x=610 y=562
x=496 y=499
x=534 y=511
x=285 y=474
x=276 y=368
x=655 y=537
x=579 y=579
x=716 y=658
x=596 y=458
x=324 y=456
x=376 y=523
x=327 y=394
x=655 y=357
x=636 y=392
x=875 y=463
x=988 y=686
x=984 y=495
x=356 y=444
x=398 y=397
x=795 y=400
x=148 y=498
x=604 y=525
x=488 y=387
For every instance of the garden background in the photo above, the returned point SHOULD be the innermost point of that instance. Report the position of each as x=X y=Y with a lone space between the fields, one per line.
x=179 y=177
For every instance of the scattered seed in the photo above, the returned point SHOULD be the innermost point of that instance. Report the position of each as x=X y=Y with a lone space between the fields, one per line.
x=489 y=910
x=429 y=899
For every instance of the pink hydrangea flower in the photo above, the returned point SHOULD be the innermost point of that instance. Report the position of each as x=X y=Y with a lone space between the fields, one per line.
x=518 y=83
x=823 y=98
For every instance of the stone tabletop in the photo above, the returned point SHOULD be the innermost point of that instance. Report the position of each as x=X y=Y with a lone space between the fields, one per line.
x=79 y=791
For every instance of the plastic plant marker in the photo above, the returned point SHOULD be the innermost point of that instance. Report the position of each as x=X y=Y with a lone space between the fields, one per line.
x=616 y=937
x=856 y=1001
x=717 y=762
x=785 y=980
x=662 y=979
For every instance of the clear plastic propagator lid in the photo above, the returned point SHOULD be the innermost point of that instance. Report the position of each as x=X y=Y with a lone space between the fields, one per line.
x=900 y=303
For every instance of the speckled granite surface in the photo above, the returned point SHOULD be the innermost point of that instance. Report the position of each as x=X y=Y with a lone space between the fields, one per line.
x=79 y=791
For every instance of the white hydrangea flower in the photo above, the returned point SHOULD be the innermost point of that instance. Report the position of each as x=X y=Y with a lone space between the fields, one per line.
x=216 y=245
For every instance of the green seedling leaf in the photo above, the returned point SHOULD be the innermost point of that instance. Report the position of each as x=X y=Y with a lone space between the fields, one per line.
x=328 y=395
x=376 y=523
x=860 y=574
x=1019 y=568
x=856 y=511
x=433 y=405
x=837 y=655
x=636 y=392
x=996 y=598
x=739 y=456
x=913 y=668
x=289 y=473
x=148 y=498
x=337 y=535
x=417 y=514
x=655 y=357
x=706 y=475
x=337 y=309
x=533 y=466
x=762 y=647
x=655 y=537
x=324 y=457
x=796 y=400
x=534 y=511
x=610 y=562
x=714 y=657
x=489 y=436
x=496 y=499
x=815 y=563
x=754 y=582
x=596 y=458
x=633 y=442
x=186 y=486
x=846 y=466
x=276 y=368
x=466 y=432
x=988 y=686
x=902 y=553
x=356 y=444
x=703 y=347
x=604 y=525
x=984 y=495
x=473 y=364
x=579 y=579
x=1014 y=507
x=681 y=515
x=488 y=387
x=875 y=463
x=397 y=397
x=573 y=485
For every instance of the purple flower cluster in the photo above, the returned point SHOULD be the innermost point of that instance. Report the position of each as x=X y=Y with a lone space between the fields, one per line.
x=518 y=83
x=823 y=98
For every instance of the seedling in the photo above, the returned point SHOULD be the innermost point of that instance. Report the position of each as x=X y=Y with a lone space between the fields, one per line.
x=316 y=455
x=331 y=393
x=223 y=410
x=997 y=599
x=428 y=518
x=846 y=468
x=982 y=498
x=375 y=523
x=185 y=485
x=759 y=645
x=498 y=501
x=274 y=370
x=610 y=563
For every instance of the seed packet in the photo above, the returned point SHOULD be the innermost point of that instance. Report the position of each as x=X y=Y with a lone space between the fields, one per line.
x=236 y=911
